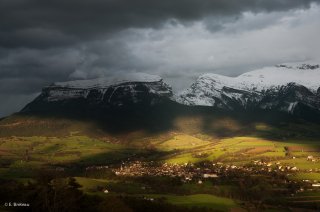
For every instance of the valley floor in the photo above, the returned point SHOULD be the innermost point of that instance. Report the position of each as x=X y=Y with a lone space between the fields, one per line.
x=177 y=170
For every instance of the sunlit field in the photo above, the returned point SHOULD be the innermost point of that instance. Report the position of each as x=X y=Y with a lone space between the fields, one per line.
x=260 y=160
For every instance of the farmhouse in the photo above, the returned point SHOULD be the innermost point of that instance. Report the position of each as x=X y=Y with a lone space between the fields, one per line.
x=210 y=175
x=316 y=185
x=310 y=157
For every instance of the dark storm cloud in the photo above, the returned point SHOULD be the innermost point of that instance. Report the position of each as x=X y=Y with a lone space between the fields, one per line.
x=29 y=63
x=43 y=41
x=18 y=86
x=41 y=24
x=25 y=71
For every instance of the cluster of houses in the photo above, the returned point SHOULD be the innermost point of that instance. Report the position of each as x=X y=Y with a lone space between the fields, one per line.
x=90 y=168
x=256 y=167
x=189 y=171
x=185 y=171
x=274 y=167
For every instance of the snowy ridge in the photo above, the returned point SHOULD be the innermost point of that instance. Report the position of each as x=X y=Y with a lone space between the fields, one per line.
x=81 y=88
x=292 y=88
x=108 y=81
x=269 y=77
x=216 y=90
x=117 y=90
x=307 y=75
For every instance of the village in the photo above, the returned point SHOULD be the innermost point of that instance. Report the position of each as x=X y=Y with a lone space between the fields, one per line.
x=198 y=172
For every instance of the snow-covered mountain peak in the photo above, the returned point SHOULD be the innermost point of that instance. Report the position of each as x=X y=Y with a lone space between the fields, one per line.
x=307 y=75
x=277 y=87
x=108 y=81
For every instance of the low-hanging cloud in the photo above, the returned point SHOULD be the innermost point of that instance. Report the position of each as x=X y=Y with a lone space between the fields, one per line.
x=180 y=53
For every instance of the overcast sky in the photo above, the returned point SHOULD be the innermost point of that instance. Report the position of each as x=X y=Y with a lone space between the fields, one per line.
x=59 y=40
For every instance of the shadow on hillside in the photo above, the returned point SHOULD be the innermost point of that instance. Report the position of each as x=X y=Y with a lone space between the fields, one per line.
x=77 y=167
x=152 y=119
x=114 y=159
x=163 y=118
x=264 y=124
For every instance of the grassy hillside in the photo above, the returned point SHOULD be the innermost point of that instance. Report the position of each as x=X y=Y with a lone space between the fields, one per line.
x=193 y=138
x=78 y=147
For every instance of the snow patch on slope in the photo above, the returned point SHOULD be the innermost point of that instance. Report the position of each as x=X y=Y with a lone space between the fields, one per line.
x=108 y=81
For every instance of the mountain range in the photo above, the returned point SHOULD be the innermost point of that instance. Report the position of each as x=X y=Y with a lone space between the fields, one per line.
x=289 y=88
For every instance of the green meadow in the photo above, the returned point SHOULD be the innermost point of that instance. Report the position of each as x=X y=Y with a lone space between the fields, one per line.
x=28 y=146
x=200 y=200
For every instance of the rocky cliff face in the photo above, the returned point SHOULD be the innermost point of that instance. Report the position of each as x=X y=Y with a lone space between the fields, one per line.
x=101 y=94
